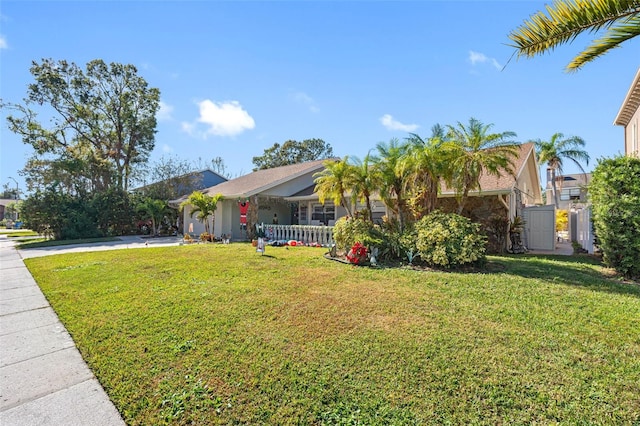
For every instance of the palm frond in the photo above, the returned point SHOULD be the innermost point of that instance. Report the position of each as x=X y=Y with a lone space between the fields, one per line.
x=611 y=39
x=566 y=19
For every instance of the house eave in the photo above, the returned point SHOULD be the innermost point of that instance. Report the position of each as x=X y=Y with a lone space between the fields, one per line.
x=630 y=104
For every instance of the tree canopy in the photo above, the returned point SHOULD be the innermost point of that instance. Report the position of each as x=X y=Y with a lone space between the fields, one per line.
x=103 y=122
x=293 y=152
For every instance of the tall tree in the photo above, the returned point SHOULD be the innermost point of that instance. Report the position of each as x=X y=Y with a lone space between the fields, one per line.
x=365 y=180
x=293 y=152
x=334 y=182
x=557 y=149
x=472 y=151
x=388 y=162
x=566 y=19
x=426 y=164
x=104 y=117
x=203 y=206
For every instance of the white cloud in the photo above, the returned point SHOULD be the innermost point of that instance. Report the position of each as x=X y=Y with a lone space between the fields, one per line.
x=481 y=58
x=3 y=43
x=391 y=124
x=165 y=111
x=167 y=149
x=221 y=119
x=303 y=98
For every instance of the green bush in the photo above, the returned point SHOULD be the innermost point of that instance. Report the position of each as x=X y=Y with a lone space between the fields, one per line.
x=348 y=231
x=615 y=196
x=448 y=239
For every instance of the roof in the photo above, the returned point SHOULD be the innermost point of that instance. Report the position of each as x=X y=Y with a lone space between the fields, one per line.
x=630 y=104
x=261 y=180
x=505 y=182
x=7 y=201
x=574 y=180
x=200 y=173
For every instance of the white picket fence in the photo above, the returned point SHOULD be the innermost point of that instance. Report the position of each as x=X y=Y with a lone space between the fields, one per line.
x=308 y=234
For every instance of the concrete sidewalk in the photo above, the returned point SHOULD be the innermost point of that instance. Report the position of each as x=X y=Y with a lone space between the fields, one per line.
x=43 y=378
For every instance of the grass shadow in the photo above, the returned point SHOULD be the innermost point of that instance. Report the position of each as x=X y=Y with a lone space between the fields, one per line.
x=582 y=271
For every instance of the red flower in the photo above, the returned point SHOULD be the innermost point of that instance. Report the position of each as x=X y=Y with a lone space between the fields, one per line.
x=358 y=254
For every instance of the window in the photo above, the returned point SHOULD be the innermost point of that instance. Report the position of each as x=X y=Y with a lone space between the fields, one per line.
x=303 y=214
x=324 y=213
x=572 y=194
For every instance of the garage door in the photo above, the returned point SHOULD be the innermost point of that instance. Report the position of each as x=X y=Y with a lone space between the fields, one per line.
x=540 y=227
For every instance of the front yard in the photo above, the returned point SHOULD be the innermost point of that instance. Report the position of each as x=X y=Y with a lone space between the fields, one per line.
x=217 y=334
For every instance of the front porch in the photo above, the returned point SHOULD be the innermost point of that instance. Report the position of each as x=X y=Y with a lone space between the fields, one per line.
x=308 y=234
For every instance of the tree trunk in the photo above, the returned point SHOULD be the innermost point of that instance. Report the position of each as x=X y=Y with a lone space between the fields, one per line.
x=554 y=186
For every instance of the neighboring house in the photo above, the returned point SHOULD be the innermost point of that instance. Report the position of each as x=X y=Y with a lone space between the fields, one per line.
x=4 y=202
x=288 y=192
x=629 y=118
x=184 y=184
x=573 y=190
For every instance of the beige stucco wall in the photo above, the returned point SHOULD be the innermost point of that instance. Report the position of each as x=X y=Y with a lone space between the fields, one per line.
x=528 y=183
x=632 y=136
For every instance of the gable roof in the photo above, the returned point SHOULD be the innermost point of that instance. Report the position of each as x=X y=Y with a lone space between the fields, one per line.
x=630 y=104
x=505 y=182
x=261 y=180
x=200 y=174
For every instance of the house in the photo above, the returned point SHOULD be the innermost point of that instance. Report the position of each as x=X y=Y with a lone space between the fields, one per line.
x=4 y=202
x=511 y=195
x=259 y=197
x=629 y=118
x=180 y=185
x=573 y=190
x=288 y=193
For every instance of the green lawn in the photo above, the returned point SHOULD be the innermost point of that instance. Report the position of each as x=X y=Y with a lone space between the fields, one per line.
x=217 y=334
x=43 y=242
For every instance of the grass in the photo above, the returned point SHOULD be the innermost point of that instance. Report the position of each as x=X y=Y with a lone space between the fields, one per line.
x=43 y=242
x=10 y=233
x=217 y=334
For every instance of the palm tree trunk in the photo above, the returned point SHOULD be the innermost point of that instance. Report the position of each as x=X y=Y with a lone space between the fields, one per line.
x=554 y=186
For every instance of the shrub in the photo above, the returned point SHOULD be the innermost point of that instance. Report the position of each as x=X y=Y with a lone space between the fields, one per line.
x=348 y=231
x=615 y=196
x=448 y=239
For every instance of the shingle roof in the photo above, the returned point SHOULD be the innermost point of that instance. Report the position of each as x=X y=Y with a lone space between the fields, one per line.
x=505 y=182
x=630 y=104
x=260 y=180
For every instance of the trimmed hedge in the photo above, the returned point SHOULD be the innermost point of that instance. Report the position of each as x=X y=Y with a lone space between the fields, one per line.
x=614 y=193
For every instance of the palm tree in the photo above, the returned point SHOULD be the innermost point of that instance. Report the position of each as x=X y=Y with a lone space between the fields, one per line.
x=203 y=206
x=566 y=19
x=555 y=150
x=155 y=210
x=427 y=163
x=393 y=176
x=334 y=181
x=472 y=151
x=365 y=180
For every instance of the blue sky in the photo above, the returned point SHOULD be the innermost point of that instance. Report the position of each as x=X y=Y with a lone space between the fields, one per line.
x=236 y=77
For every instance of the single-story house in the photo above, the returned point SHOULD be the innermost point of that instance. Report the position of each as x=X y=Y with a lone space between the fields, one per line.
x=629 y=117
x=261 y=197
x=287 y=193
